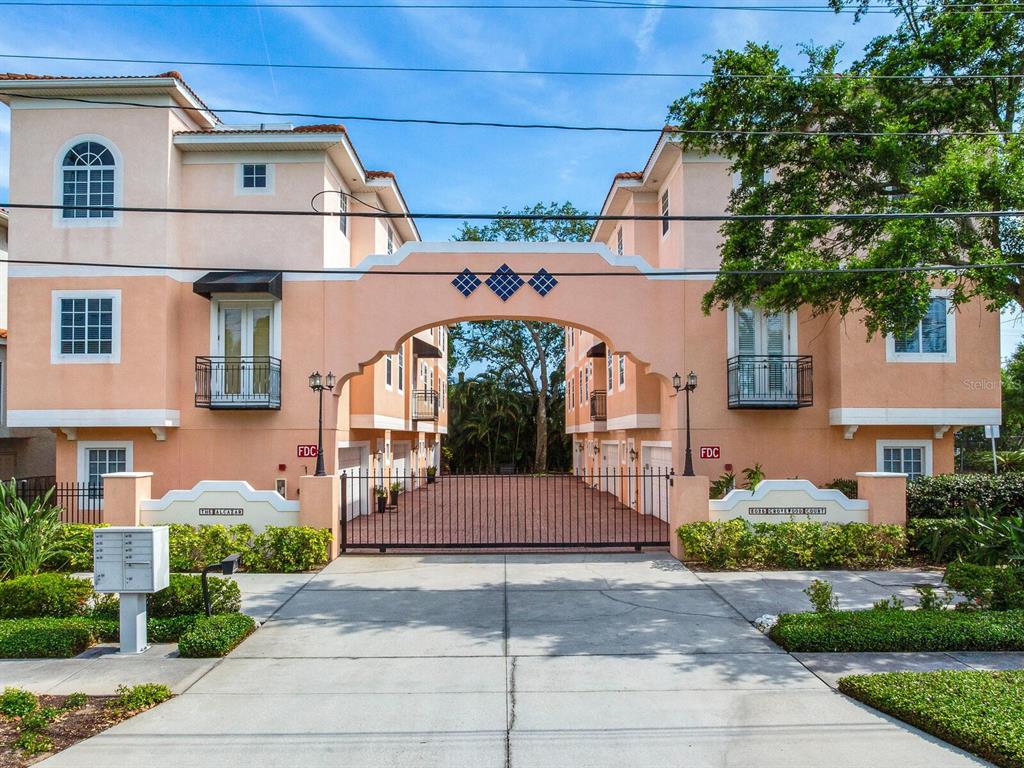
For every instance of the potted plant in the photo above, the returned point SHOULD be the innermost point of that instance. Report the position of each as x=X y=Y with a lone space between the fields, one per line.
x=431 y=475
x=395 y=488
x=382 y=497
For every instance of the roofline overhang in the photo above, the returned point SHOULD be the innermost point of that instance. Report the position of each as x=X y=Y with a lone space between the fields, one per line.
x=84 y=86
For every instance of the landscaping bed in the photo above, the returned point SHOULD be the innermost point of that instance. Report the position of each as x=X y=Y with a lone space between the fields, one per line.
x=898 y=630
x=35 y=727
x=982 y=712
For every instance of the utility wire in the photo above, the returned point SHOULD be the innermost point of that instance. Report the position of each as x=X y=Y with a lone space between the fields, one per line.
x=509 y=216
x=385 y=270
x=927 y=79
x=528 y=126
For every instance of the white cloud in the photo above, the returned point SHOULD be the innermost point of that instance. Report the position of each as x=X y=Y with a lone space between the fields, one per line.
x=645 y=32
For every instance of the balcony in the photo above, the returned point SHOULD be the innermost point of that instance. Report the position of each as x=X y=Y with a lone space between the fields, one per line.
x=424 y=405
x=770 y=381
x=599 y=405
x=238 y=383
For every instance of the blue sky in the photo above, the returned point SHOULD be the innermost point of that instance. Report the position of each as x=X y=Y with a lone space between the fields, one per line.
x=438 y=168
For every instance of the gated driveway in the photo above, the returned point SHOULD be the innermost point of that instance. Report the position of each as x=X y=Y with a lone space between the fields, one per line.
x=510 y=660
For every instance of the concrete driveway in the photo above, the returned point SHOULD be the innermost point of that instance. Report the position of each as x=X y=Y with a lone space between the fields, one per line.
x=520 y=660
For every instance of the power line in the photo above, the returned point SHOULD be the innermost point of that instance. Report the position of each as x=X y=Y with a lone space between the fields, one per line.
x=509 y=216
x=386 y=271
x=931 y=135
x=930 y=79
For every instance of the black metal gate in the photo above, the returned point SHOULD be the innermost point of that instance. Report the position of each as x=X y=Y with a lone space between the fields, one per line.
x=505 y=511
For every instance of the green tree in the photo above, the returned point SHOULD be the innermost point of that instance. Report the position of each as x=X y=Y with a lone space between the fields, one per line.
x=882 y=172
x=529 y=353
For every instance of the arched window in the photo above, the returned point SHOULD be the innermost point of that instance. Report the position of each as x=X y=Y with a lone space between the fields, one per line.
x=88 y=177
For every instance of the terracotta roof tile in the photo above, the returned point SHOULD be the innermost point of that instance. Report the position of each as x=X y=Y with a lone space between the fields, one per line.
x=635 y=175
x=325 y=128
x=380 y=175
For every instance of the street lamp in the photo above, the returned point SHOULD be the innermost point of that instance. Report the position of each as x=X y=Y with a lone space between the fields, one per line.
x=318 y=384
x=691 y=384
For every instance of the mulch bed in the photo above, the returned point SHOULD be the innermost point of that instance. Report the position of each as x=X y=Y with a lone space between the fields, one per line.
x=68 y=729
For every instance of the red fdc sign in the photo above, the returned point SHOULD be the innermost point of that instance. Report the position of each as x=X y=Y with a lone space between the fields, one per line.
x=711 y=451
x=305 y=451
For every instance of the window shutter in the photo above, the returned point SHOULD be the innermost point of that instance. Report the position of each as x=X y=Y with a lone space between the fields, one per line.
x=745 y=332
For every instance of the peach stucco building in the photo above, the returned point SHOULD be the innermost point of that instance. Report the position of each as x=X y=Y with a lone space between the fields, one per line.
x=808 y=397
x=194 y=363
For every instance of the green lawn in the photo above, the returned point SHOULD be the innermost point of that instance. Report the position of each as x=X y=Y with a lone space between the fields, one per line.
x=892 y=631
x=982 y=712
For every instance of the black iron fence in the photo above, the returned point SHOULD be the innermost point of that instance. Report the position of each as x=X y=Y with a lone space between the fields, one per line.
x=770 y=381
x=623 y=509
x=238 y=383
x=78 y=502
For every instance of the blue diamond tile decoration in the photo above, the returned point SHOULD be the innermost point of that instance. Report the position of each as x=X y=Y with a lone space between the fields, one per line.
x=466 y=282
x=543 y=282
x=504 y=282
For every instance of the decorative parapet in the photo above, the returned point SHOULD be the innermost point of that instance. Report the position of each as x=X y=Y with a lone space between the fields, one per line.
x=776 y=501
x=225 y=502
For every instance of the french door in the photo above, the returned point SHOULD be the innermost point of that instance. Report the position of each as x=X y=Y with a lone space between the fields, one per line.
x=762 y=343
x=246 y=344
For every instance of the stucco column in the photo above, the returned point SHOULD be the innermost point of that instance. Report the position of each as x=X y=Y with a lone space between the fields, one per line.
x=886 y=495
x=122 y=493
x=319 y=506
x=688 y=503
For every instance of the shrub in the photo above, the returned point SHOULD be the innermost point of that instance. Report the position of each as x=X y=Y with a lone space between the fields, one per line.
x=847 y=486
x=138 y=697
x=38 y=719
x=33 y=743
x=820 y=594
x=74 y=701
x=52 y=638
x=15 y=702
x=737 y=543
x=183 y=596
x=215 y=635
x=47 y=594
x=979 y=711
x=289 y=550
x=171 y=629
x=962 y=495
x=28 y=532
x=893 y=631
x=938 y=540
x=75 y=544
x=999 y=588
x=194 y=547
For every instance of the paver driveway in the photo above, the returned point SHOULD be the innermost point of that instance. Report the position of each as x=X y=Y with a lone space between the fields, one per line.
x=517 y=660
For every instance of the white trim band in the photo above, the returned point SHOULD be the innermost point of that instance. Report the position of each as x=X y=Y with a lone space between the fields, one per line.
x=914 y=416
x=95 y=417
x=242 y=488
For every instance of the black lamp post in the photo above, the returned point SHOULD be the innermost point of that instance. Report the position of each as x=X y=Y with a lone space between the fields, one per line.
x=691 y=384
x=318 y=384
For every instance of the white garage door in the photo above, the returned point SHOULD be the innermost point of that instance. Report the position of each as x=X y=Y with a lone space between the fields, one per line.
x=657 y=463
x=354 y=462
x=610 y=468
x=401 y=463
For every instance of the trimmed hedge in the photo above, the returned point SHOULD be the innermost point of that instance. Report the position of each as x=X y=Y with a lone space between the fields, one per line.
x=893 y=631
x=978 y=711
x=215 y=635
x=46 y=594
x=288 y=549
x=51 y=638
x=733 y=544
x=962 y=495
x=183 y=596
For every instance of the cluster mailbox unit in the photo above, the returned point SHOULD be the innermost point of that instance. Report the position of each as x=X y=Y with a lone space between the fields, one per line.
x=133 y=562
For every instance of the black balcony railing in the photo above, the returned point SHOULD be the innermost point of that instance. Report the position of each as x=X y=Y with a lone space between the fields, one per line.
x=599 y=405
x=424 y=405
x=770 y=381
x=238 y=383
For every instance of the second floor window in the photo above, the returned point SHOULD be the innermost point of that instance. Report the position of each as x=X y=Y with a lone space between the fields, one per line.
x=86 y=326
x=391 y=240
x=88 y=181
x=388 y=363
x=664 y=212
x=254 y=176
x=610 y=372
x=343 y=209
x=930 y=336
x=401 y=369
x=618 y=244
x=622 y=371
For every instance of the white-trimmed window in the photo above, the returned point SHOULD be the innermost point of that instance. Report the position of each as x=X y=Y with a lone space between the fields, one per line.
x=933 y=340
x=391 y=239
x=88 y=181
x=388 y=367
x=579 y=388
x=99 y=458
x=586 y=383
x=86 y=327
x=254 y=179
x=911 y=457
x=618 y=242
x=664 y=212
x=343 y=209
x=622 y=372
x=609 y=371
x=401 y=368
